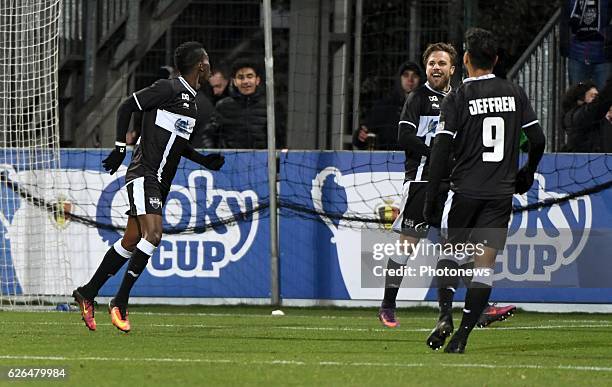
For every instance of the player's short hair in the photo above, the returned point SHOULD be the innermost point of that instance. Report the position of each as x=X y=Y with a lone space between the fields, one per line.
x=440 y=46
x=481 y=45
x=187 y=55
x=243 y=63
x=574 y=94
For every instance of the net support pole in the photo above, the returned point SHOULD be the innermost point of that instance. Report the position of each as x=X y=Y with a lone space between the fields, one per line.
x=357 y=63
x=274 y=264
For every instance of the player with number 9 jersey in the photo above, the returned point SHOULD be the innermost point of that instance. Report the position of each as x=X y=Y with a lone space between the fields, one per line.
x=486 y=116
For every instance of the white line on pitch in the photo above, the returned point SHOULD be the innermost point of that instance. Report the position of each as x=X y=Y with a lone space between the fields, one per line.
x=305 y=363
x=496 y=328
x=315 y=328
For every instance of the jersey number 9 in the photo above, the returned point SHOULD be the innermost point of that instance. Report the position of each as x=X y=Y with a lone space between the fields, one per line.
x=493 y=137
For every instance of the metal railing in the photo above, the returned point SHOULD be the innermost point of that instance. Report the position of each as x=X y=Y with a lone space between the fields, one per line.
x=111 y=15
x=108 y=15
x=71 y=30
x=542 y=72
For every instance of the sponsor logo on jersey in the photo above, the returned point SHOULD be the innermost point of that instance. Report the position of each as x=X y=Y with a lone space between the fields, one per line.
x=182 y=126
x=185 y=96
x=433 y=98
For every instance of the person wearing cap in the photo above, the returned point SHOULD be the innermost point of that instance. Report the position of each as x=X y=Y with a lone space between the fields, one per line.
x=379 y=128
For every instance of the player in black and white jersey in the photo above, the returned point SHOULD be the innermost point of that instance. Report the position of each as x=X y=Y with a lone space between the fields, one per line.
x=417 y=124
x=418 y=121
x=169 y=118
x=481 y=123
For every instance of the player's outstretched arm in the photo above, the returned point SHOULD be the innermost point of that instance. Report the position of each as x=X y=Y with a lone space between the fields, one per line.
x=537 y=143
x=124 y=114
x=212 y=161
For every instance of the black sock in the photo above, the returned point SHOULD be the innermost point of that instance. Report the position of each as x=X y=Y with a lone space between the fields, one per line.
x=137 y=264
x=447 y=285
x=392 y=285
x=476 y=300
x=110 y=265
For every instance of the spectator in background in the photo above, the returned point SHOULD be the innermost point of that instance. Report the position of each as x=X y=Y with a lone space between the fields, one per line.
x=240 y=120
x=584 y=115
x=586 y=40
x=606 y=129
x=380 y=124
x=218 y=84
x=205 y=112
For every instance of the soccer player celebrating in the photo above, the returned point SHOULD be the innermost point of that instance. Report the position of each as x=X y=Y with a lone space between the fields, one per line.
x=481 y=122
x=417 y=124
x=170 y=112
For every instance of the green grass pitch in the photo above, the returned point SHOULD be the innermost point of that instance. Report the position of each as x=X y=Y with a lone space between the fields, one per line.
x=184 y=346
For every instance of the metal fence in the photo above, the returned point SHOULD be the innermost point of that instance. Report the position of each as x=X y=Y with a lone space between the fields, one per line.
x=542 y=72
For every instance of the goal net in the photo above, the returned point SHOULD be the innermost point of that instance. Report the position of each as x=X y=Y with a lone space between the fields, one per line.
x=33 y=266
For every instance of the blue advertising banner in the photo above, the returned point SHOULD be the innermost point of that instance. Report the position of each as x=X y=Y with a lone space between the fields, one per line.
x=558 y=253
x=215 y=243
x=216 y=227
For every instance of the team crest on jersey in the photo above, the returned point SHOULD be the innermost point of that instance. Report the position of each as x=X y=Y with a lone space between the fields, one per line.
x=155 y=202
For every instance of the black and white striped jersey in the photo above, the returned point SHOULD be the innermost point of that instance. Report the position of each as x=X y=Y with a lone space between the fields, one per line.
x=420 y=115
x=485 y=115
x=169 y=118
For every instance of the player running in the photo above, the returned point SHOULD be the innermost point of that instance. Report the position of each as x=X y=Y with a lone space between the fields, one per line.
x=418 y=121
x=481 y=122
x=170 y=112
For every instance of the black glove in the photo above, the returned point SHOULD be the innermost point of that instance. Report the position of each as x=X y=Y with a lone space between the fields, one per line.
x=213 y=161
x=114 y=160
x=432 y=212
x=524 y=181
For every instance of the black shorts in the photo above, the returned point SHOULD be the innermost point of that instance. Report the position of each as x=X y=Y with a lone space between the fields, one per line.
x=146 y=196
x=485 y=221
x=410 y=220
